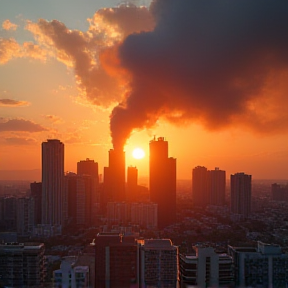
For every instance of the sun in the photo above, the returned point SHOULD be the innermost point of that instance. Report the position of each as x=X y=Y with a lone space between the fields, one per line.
x=138 y=153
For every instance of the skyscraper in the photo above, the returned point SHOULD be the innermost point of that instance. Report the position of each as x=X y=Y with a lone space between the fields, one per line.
x=200 y=194
x=208 y=186
x=114 y=177
x=241 y=194
x=53 y=208
x=132 y=185
x=162 y=180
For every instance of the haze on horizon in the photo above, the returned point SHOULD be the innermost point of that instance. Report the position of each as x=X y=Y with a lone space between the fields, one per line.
x=209 y=77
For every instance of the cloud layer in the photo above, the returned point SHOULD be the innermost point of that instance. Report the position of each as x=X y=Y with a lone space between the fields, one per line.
x=13 y=103
x=20 y=125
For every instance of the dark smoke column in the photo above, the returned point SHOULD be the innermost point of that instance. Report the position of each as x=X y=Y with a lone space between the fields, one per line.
x=162 y=181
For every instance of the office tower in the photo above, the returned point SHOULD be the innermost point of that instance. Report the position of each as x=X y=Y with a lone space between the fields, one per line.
x=159 y=263
x=162 y=181
x=79 y=190
x=217 y=186
x=132 y=185
x=25 y=216
x=36 y=194
x=118 y=213
x=200 y=187
x=206 y=269
x=22 y=265
x=264 y=266
x=88 y=167
x=114 y=177
x=53 y=209
x=115 y=261
x=241 y=194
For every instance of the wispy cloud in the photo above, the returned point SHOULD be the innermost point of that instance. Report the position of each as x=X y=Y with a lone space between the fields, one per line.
x=8 y=25
x=20 y=125
x=13 y=103
x=19 y=141
x=53 y=118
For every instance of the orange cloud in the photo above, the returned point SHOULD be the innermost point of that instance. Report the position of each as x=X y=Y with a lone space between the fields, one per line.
x=9 y=49
x=53 y=118
x=13 y=103
x=19 y=141
x=8 y=25
x=20 y=125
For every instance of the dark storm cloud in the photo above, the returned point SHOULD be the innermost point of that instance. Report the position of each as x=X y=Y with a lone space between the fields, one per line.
x=214 y=62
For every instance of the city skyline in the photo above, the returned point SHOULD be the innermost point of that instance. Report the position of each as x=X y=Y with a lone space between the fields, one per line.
x=52 y=100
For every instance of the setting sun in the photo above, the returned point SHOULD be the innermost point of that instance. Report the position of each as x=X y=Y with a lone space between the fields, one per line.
x=138 y=153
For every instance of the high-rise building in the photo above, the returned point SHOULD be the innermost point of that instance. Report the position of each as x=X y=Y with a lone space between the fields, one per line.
x=206 y=269
x=36 y=194
x=200 y=192
x=132 y=184
x=115 y=261
x=53 y=202
x=208 y=186
x=22 y=264
x=162 y=181
x=159 y=263
x=241 y=194
x=264 y=266
x=114 y=177
x=79 y=190
x=217 y=186
x=25 y=216
x=279 y=192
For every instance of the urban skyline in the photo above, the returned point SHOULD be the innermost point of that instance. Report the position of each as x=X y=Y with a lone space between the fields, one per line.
x=249 y=136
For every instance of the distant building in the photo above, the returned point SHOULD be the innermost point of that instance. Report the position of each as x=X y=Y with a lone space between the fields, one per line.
x=208 y=186
x=79 y=190
x=206 y=269
x=162 y=181
x=10 y=213
x=53 y=202
x=132 y=184
x=144 y=214
x=159 y=263
x=241 y=194
x=71 y=275
x=25 y=216
x=22 y=265
x=265 y=266
x=36 y=193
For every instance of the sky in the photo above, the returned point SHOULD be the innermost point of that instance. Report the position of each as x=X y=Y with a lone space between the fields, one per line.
x=210 y=77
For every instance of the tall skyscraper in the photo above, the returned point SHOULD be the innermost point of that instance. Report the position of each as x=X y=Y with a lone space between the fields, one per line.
x=162 y=180
x=200 y=194
x=88 y=167
x=241 y=194
x=53 y=202
x=132 y=184
x=36 y=193
x=217 y=186
x=114 y=177
x=208 y=186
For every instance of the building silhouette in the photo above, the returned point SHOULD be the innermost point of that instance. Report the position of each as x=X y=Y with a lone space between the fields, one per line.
x=241 y=194
x=132 y=184
x=114 y=178
x=53 y=202
x=36 y=194
x=208 y=186
x=162 y=181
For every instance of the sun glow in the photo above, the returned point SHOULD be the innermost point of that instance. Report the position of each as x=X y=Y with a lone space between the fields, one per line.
x=138 y=153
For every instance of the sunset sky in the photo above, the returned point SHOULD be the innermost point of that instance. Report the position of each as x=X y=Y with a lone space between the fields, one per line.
x=210 y=77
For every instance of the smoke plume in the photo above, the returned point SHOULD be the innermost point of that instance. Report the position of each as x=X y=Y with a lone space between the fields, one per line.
x=217 y=63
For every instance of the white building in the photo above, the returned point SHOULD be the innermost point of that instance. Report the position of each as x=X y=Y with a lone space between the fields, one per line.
x=264 y=266
x=70 y=275
x=159 y=263
x=206 y=268
x=54 y=206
